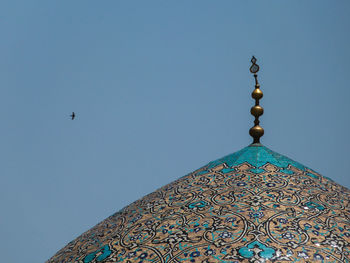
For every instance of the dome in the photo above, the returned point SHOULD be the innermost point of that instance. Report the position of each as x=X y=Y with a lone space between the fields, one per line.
x=254 y=205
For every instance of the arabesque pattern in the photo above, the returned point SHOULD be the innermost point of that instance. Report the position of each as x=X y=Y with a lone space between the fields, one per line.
x=251 y=206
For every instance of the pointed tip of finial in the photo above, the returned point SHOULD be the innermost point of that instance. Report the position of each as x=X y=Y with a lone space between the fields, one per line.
x=257 y=131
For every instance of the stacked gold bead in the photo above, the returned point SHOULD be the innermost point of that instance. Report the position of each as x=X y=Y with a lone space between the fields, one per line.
x=257 y=131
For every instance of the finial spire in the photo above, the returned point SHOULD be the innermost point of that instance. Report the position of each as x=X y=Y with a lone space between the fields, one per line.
x=256 y=132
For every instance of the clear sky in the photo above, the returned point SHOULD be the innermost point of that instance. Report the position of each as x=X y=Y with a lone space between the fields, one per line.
x=160 y=88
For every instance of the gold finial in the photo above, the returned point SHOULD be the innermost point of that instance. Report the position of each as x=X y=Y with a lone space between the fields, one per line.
x=256 y=132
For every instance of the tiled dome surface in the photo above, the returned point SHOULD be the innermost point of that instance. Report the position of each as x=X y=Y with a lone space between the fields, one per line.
x=251 y=206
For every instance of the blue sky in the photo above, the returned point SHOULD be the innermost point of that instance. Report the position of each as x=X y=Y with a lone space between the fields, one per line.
x=160 y=88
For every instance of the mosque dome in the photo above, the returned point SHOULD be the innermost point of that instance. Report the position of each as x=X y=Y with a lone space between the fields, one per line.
x=254 y=205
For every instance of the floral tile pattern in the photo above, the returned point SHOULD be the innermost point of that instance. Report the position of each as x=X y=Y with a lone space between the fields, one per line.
x=254 y=205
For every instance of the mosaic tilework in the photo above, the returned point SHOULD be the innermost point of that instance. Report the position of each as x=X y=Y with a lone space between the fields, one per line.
x=251 y=206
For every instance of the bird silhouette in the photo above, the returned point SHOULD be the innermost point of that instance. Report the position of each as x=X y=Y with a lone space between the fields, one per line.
x=73 y=115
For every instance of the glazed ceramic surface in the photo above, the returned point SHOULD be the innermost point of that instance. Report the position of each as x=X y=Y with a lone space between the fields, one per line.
x=251 y=206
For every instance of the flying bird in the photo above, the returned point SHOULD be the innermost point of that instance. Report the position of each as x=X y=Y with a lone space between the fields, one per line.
x=73 y=115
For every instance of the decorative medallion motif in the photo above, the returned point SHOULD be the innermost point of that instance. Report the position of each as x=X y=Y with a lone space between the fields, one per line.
x=251 y=206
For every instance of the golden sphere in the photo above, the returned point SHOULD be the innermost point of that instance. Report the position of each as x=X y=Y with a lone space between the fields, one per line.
x=257 y=111
x=256 y=131
x=257 y=94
